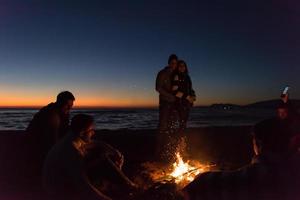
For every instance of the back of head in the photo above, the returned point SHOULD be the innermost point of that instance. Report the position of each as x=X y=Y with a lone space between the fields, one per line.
x=81 y=122
x=271 y=136
x=63 y=97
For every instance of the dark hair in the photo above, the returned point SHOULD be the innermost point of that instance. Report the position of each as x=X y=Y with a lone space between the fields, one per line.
x=80 y=122
x=272 y=136
x=184 y=63
x=172 y=57
x=64 y=97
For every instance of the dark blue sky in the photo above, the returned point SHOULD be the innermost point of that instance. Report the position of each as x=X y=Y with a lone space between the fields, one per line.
x=108 y=52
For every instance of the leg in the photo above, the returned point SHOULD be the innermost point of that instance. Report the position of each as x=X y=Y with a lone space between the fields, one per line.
x=163 y=149
x=165 y=112
x=184 y=112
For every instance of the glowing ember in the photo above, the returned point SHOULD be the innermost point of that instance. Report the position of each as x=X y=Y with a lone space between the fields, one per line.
x=181 y=172
x=185 y=172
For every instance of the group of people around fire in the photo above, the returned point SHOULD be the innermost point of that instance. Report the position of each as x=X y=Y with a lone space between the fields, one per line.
x=74 y=165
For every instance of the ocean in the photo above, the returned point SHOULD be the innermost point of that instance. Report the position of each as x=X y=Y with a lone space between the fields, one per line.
x=112 y=119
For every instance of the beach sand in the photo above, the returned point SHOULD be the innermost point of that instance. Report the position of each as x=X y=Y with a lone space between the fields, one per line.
x=227 y=147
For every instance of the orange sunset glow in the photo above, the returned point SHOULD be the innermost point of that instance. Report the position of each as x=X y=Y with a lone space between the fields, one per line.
x=18 y=101
x=25 y=97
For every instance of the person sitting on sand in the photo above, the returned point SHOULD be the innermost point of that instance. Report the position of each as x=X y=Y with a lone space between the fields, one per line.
x=51 y=122
x=271 y=175
x=185 y=95
x=76 y=165
x=289 y=117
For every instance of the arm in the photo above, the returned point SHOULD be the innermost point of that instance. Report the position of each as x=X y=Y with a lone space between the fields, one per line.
x=292 y=110
x=91 y=192
x=119 y=176
x=160 y=89
x=191 y=97
x=77 y=178
x=108 y=151
x=192 y=91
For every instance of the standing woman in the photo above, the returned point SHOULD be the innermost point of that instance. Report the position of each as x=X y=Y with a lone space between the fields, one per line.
x=185 y=95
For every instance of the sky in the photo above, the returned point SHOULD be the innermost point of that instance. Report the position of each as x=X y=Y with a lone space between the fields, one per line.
x=108 y=53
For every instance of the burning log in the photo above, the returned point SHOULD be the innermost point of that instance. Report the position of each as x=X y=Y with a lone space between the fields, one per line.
x=180 y=173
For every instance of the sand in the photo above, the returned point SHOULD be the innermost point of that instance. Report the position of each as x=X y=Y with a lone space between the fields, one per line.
x=227 y=147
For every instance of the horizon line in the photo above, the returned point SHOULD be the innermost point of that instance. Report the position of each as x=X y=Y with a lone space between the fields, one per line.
x=121 y=107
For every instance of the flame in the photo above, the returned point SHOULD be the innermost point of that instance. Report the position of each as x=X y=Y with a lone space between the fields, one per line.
x=181 y=172
x=184 y=172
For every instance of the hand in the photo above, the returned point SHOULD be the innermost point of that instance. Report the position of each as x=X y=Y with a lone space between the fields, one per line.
x=190 y=99
x=120 y=160
x=179 y=94
x=175 y=87
x=285 y=98
x=194 y=98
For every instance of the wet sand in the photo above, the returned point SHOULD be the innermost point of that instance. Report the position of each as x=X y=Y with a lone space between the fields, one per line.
x=227 y=147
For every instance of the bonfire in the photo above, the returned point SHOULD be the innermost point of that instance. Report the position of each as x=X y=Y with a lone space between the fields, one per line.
x=181 y=172
x=185 y=172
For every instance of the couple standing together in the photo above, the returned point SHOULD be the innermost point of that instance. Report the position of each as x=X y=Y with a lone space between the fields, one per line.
x=176 y=97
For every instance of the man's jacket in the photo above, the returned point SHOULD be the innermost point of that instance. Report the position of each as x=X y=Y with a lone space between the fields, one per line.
x=164 y=85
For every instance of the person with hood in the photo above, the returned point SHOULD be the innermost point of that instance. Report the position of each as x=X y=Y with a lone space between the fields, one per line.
x=185 y=95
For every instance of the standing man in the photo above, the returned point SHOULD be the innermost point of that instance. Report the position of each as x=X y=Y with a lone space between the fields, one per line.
x=166 y=102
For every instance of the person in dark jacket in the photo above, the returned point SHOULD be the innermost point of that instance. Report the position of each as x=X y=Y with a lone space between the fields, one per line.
x=272 y=174
x=77 y=166
x=166 y=102
x=51 y=122
x=288 y=116
x=166 y=97
x=185 y=95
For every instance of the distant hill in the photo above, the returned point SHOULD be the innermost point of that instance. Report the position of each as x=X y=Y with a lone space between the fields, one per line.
x=225 y=106
x=272 y=104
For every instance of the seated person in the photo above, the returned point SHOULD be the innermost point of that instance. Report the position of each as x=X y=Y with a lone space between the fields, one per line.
x=67 y=169
x=290 y=118
x=51 y=123
x=271 y=175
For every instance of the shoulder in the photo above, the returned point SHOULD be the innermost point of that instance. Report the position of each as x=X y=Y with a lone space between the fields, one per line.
x=48 y=110
x=188 y=77
x=204 y=184
x=64 y=150
x=204 y=180
x=163 y=71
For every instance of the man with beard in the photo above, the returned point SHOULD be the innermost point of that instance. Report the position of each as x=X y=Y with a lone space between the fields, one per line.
x=51 y=123
x=79 y=167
